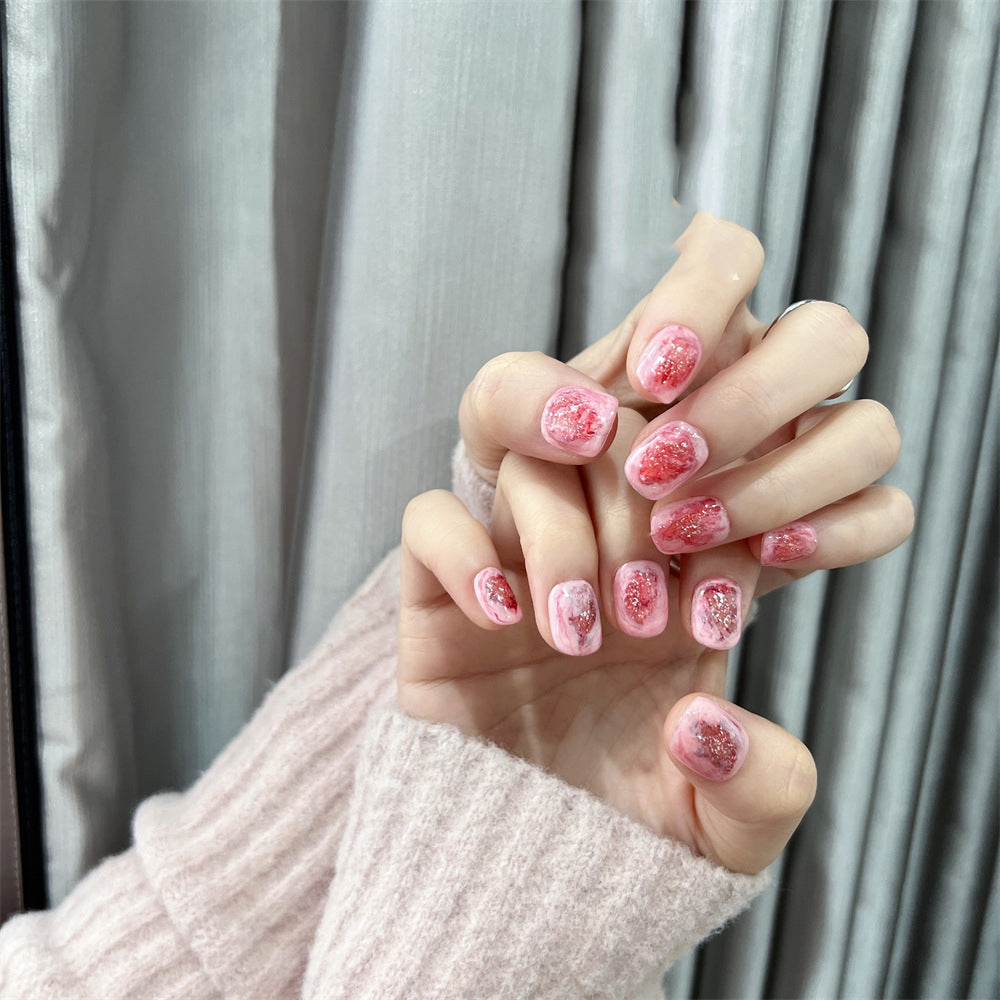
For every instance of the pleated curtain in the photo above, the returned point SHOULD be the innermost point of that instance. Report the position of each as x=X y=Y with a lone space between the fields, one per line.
x=261 y=249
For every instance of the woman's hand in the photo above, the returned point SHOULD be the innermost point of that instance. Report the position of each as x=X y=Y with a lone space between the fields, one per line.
x=561 y=633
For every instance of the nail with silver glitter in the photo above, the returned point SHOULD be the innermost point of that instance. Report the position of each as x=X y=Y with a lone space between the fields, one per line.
x=574 y=618
x=579 y=420
x=717 y=613
x=496 y=597
x=641 y=602
x=709 y=740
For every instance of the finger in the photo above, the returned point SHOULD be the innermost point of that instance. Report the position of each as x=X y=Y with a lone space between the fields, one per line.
x=861 y=527
x=716 y=589
x=807 y=356
x=466 y=569
x=693 y=323
x=632 y=573
x=856 y=444
x=541 y=513
x=753 y=780
x=534 y=405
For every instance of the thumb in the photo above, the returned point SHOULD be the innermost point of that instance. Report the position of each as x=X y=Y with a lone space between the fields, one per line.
x=753 y=781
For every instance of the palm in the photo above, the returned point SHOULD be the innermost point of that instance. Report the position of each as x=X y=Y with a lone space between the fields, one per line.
x=595 y=721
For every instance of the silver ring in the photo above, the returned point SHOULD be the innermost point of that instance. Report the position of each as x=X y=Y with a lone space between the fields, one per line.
x=792 y=308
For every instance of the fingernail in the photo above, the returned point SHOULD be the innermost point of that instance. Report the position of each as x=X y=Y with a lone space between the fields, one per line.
x=667 y=364
x=717 y=613
x=792 y=541
x=668 y=458
x=689 y=525
x=641 y=602
x=496 y=597
x=578 y=420
x=574 y=618
x=709 y=740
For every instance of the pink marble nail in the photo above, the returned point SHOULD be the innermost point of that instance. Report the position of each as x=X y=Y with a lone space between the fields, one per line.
x=574 y=618
x=641 y=602
x=717 y=613
x=689 y=525
x=496 y=597
x=793 y=541
x=579 y=420
x=666 y=459
x=668 y=363
x=709 y=740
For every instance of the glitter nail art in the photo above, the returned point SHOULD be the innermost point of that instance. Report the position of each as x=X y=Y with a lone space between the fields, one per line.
x=717 y=613
x=668 y=363
x=641 y=601
x=792 y=541
x=579 y=420
x=666 y=459
x=496 y=597
x=689 y=525
x=574 y=618
x=709 y=740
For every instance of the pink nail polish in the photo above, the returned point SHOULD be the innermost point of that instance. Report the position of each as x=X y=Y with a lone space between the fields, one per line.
x=689 y=525
x=641 y=602
x=717 y=613
x=709 y=740
x=574 y=618
x=668 y=363
x=579 y=420
x=793 y=541
x=666 y=459
x=496 y=597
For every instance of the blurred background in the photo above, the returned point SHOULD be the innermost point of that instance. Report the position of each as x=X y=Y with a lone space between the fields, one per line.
x=252 y=254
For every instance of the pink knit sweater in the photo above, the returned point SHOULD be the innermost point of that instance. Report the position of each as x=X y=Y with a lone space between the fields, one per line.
x=338 y=848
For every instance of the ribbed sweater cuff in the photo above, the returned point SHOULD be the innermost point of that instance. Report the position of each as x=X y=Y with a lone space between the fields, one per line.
x=464 y=871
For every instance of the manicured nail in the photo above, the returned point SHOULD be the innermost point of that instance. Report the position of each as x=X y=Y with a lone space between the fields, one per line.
x=709 y=740
x=574 y=618
x=496 y=597
x=668 y=458
x=689 y=525
x=792 y=541
x=579 y=420
x=641 y=602
x=717 y=613
x=667 y=364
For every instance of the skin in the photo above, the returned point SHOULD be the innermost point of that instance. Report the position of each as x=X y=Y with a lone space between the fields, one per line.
x=606 y=721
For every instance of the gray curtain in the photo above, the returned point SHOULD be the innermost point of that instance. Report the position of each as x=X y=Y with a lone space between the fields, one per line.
x=262 y=247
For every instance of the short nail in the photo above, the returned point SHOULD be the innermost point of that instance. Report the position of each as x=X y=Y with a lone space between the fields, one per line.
x=578 y=420
x=668 y=362
x=709 y=740
x=574 y=618
x=689 y=525
x=792 y=541
x=496 y=597
x=641 y=602
x=666 y=459
x=717 y=613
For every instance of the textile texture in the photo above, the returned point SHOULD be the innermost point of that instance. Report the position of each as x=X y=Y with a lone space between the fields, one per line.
x=261 y=249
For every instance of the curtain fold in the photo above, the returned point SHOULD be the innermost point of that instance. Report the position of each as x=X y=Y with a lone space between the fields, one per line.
x=262 y=247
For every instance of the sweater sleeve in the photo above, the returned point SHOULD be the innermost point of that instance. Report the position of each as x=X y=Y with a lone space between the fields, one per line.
x=222 y=892
x=465 y=872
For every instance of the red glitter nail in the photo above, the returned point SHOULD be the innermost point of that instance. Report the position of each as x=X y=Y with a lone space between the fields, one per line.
x=665 y=460
x=689 y=525
x=668 y=362
x=574 y=618
x=641 y=599
x=496 y=597
x=578 y=420
x=709 y=740
x=793 y=541
x=717 y=613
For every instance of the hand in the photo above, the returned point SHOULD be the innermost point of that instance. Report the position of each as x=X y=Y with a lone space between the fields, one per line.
x=640 y=721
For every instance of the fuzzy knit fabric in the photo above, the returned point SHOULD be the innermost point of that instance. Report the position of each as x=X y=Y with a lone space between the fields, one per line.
x=323 y=856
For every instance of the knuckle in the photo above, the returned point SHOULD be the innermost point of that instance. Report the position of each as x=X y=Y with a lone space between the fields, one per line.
x=418 y=510
x=747 y=403
x=480 y=398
